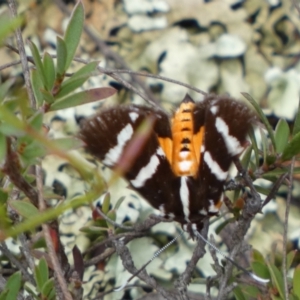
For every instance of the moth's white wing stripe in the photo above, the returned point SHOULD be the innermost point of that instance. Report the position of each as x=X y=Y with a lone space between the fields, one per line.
x=185 y=197
x=214 y=167
x=146 y=172
x=214 y=109
x=202 y=212
x=114 y=154
x=133 y=116
x=233 y=145
x=212 y=208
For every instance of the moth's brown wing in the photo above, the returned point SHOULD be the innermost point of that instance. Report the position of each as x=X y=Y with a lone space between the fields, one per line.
x=107 y=135
x=227 y=123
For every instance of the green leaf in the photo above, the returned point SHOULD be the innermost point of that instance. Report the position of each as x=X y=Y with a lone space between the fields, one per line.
x=2 y=147
x=36 y=121
x=49 y=71
x=257 y=256
x=9 y=117
x=262 y=117
x=112 y=215
x=23 y=208
x=3 y=196
x=32 y=152
x=260 y=269
x=41 y=274
x=292 y=148
x=290 y=258
x=8 y=25
x=106 y=203
x=68 y=143
x=277 y=279
x=296 y=128
x=47 y=96
x=38 y=63
x=282 y=134
x=13 y=285
x=47 y=288
x=4 y=88
x=246 y=158
x=279 y=172
x=44 y=271
x=254 y=146
x=238 y=294
x=77 y=79
x=296 y=280
x=83 y=97
x=61 y=57
x=37 y=86
x=119 y=202
x=73 y=32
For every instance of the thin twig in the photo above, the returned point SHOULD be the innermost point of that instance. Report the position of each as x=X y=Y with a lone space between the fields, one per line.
x=26 y=251
x=16 y=262
x=274 y=189
x=285 y=228
x=56 y=266
x=13 y=10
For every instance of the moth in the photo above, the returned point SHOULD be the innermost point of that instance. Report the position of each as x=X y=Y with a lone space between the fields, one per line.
x=184 y=162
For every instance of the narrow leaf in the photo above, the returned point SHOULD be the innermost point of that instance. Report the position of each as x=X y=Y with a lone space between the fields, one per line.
x=44 y=271
x=36 y=121
x=49 y=71
x=23 y=208
x=37 y=86
x=38 y=62
x=290 y=258
x=4 y=88
x=13 y=285
x=106 y=203
x=68 y=143
x=282 y=133
x=296 y=128
x=77 y=79
x=277 y=279
x=83 y=97
x=262 y=117
x=73 y=32
x=296 y=281
x=47 y=96
x=292 y=148
x=47 y=288
x=8 y=25
x=2 y=147
x=61 y=56
x=7 y=116
x=119 y=202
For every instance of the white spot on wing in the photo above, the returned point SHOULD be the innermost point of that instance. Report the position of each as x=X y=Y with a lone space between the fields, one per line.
x=203 y=212
x=212 y=208
x=160 y=151
x=162 y=209
x=202 y=148
x=185 y=165
x=232 y=144
x=214 y=109
x=214 y=167
x=185 y=197
x=146 y=172
x=133 y=116
x=113 y=155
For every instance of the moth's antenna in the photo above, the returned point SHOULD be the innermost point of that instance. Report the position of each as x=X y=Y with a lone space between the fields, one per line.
x=147 y=263
x=255 y=277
